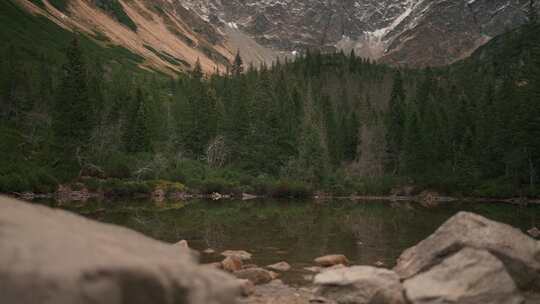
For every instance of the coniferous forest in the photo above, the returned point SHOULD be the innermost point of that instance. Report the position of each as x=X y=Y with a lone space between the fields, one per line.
x=334 y=123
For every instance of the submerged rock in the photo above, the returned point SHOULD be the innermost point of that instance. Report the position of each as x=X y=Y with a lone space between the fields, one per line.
x=468 y=277
x=53 y=256
x=360 y=285
x=331 y=260
x=519 y=253
x=256 y=275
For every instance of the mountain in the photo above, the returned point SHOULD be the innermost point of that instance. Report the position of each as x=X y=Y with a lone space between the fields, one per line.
x=412 y=32
x=171 y=35
x=167 y=36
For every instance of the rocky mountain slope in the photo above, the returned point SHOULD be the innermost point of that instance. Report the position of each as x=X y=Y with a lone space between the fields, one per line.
x=413 y=32
x=169 y=37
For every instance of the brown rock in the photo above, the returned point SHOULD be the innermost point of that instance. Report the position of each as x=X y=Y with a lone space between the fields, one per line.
x=244 y=255
x=331 y=260
x=232 y=263
x=247 y=287
x=256 y=275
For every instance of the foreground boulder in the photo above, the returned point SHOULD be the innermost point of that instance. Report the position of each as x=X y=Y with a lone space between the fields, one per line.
x=52 y=256
x=360 y=285
x=278 y=293
x=519 y=253
x=468 y=277
x=331 y=260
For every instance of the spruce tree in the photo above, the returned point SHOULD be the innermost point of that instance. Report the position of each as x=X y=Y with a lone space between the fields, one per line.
x=395 y=124
x=72 y=116
x=138 y=132
x=238 y=65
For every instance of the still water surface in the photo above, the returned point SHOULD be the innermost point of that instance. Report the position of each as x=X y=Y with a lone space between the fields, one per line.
x=297 y=232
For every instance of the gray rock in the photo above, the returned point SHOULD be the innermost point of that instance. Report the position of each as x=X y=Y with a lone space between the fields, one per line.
x=518 y=252
x=53 y=256
x=468 y=277
x=360 y=285
x=281 y=266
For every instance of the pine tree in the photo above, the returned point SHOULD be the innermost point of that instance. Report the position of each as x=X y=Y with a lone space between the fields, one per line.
x=238 y=65
x=138 y=132
x=72 y=117
x=395 y=125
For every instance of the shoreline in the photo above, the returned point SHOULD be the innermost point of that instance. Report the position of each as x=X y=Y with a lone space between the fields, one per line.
x=430 y=199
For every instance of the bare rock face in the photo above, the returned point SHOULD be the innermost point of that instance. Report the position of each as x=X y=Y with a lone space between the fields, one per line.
x=412 y=32
x=468 y=277
x=360 y=285
x=519 y=253
x=53 y=256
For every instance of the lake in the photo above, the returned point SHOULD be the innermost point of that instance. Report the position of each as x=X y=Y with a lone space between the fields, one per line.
x=367 y=232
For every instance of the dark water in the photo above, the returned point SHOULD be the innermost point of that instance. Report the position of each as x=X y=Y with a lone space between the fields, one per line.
x=296 y=232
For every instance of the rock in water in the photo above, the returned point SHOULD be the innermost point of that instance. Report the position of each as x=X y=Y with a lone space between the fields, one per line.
x=281 y=266
x=519 y=253
x=331 y=260
x=360 y=285
x=232 y=263
x=256 y=275
x=53 y=256
x=468 y=277
x=244 y=255
x=534 y=232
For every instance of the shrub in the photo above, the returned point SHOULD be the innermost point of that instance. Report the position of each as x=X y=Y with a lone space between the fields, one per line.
x=291 y=189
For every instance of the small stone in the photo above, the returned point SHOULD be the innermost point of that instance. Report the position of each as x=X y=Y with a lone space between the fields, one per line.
x=331 y=260
x=315 y=269
x=534 y=232
x=209 y=251
x=244 y=255
x=256 y=275
x=274 y=275
x=182 y=244
x=281 y=266
x=216 y=265
x=247 y=287
x=232 y=263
